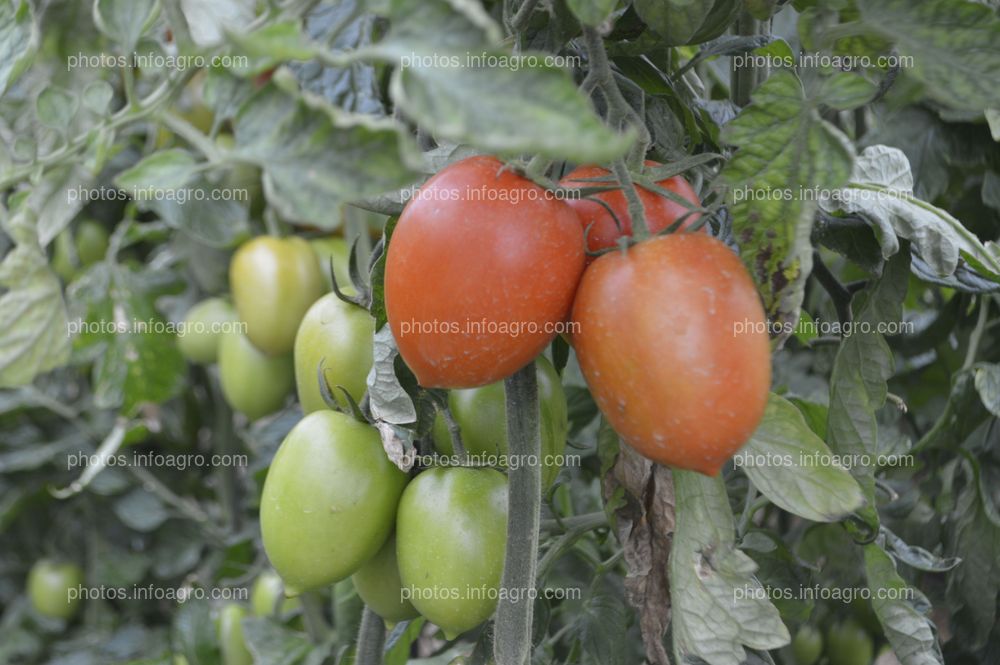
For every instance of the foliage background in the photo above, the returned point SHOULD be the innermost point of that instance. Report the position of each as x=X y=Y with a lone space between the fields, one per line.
x=332 y=141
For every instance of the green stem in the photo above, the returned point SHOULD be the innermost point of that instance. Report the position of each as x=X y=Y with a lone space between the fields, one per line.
x=636 y=211
x=512 y=645
x=228 y=485
x=977 y=333
x=588 y=521
x=520 y=19
x=192 y=135
x=745 y=79
x=312 y=616
x=371 y=639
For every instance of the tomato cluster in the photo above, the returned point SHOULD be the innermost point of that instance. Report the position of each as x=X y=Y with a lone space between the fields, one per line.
x=482 y=271
x=655 y=325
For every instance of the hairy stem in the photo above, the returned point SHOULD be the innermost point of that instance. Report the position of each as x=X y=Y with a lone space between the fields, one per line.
x=371 y=639
x=512 y=645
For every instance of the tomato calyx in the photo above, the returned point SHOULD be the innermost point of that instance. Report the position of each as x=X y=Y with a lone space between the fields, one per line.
x=363 y=298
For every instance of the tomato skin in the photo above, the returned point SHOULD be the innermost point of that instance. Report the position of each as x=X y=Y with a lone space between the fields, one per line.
x=848 y=643
x=807 y=646
x=451 y=531
x=339 y=335
x=329 y=500
x=660 y=211
x=274 y=281
x=481 y=414
x=49 y=583
x=253 y=383
x=198 y=342
x=266 y=591
x=230 y=633
x=91 y=242
x=479 y=245
x=378 y=584
x=658 y=347
x=335 y=250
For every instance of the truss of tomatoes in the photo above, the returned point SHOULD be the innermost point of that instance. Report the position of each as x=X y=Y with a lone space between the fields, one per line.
x=485 y=265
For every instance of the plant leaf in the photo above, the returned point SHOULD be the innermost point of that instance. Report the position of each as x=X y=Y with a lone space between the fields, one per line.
x=797 y=473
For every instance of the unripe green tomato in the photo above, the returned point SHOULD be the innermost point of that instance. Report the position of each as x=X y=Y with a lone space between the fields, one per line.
x=481 y=414
x=333 y=250
x=329 y=500
x=231 y=642
x=49 y=585
x=848 y=643
x=64 y=260
x=252 y=382
x=451 y=532
x=378 y=584
x=339 y=335
x=266 y=591
x=204 y=327
x=274 y=281
x=807 y=646
x=91 y=242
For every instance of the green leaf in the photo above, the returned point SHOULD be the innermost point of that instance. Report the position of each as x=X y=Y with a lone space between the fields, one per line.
x=97 y=96
x=18 y=40
x=974 y=586
x=209 y=21
x=56 y=199
x=193 y=633
x=786 y=152
x=676 y=21
x=164 y=170
x=719 y=606
x=601 y=628
x=140 y=362
x=140 y=510
x=33 y=338
x=125 y=21
x=316 y=158
x=863 y=365
x=399 y=642
x=881 y=192
x=523 y=107
x=845 y=91
x=591 y=12
x=952 y=43
x=272 y=643
x=273 y=44
x=798 y=472
x=988 y=385
x=56 y=107
x=909 y=631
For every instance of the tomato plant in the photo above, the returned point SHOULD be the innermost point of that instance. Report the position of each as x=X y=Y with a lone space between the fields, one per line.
x=450 y=535
x=481 y=415
x=848 y=643
x=464 y=291
x=708 y=290
x=603 y=226
x=379 y=585
x=203 y=329
x=329 y=500
x=337 y=336
x=693 y=402
x=252 y=382
x=274 y=282
x=230 y=630
x=53 y=588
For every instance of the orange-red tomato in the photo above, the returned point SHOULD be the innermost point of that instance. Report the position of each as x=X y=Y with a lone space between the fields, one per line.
x=482 y=266
x=603 y=231
x=673 y=343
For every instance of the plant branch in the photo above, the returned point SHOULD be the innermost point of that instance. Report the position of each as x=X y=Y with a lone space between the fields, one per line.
x=371 y=639
x=520 y=18
x=512 y=645
x=976 y=337
x=312 y=616
x=840 y=295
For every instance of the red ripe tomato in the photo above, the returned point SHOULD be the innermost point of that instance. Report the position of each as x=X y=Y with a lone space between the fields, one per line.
x=672 y=340
x=481 y=267
x=603 y=231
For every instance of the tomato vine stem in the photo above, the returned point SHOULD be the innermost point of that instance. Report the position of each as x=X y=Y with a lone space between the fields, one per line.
x=512 y=645
x=371 y=638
